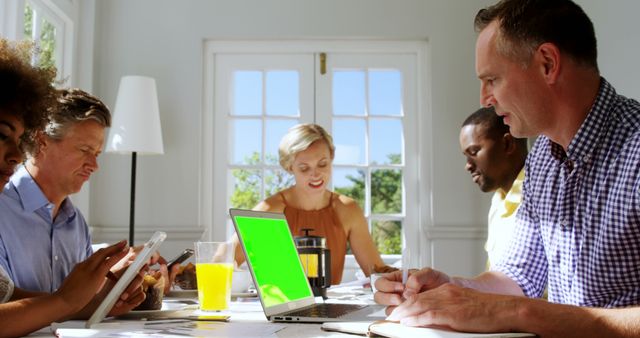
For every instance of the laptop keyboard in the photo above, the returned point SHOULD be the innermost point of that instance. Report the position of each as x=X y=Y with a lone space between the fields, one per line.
x=325 y=310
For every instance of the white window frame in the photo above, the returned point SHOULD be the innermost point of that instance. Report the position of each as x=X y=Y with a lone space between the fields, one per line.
x=11 y=19
x=65 y=34
x=406 y=63
x=418 y=181
x=222 y=119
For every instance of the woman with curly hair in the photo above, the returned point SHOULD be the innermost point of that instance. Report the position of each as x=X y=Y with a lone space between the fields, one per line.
x=26 y=92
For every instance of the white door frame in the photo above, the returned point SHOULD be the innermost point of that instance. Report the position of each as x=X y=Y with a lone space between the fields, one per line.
x=212 y=212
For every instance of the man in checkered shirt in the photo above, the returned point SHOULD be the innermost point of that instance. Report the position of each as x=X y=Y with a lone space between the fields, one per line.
x=578 y=229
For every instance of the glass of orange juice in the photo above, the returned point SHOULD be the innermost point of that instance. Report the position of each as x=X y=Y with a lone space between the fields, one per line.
x=214 y=268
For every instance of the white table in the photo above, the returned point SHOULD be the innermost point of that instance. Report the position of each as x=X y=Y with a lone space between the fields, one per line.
x=247 y=320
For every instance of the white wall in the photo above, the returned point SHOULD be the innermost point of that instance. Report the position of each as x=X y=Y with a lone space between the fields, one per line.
x=164 y=39
x=616 y=24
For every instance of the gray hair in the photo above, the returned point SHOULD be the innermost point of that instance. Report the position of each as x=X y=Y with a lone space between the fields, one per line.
x=74 y=106
x=298 y=139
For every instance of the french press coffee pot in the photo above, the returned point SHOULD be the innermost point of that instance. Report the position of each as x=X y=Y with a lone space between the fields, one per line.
x=316 y=261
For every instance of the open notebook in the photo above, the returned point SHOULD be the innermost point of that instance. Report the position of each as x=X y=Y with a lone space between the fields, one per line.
x=385 y=328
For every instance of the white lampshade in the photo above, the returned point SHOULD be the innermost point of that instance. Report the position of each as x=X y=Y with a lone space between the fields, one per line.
x=136 y=118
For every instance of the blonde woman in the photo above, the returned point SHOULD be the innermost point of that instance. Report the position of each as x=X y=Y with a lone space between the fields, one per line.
x=307 y=152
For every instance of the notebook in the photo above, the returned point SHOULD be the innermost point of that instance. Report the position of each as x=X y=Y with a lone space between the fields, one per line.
x=384 y=328
x=283 y=287
x=107 y=303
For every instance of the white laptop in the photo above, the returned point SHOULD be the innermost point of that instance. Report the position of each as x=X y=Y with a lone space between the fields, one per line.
x=278 y=274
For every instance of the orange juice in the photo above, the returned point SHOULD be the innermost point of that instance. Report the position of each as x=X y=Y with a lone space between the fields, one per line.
x=214 y=285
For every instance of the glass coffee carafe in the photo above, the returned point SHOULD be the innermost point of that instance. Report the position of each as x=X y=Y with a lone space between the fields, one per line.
x=316 y=261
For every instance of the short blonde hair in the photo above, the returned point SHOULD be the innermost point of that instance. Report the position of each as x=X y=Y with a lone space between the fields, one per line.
x=299 y=138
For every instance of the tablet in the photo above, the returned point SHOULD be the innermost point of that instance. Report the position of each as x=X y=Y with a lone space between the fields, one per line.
x=141 y=259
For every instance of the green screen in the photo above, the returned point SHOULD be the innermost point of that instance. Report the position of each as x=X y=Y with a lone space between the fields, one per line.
x=274 y=259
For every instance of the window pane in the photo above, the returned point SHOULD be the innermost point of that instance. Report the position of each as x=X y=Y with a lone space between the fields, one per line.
x=47 y=45
x=348 y=93
x=276 y=180
x=283 y=93
x=385 y=141
x=275 y=130
x=349 y=140
x=385 y=93
x=387 y=235
x=246 y=141
x=350 y=182
x=246 y=188
x=28 y=21
x=247 y=93
x=386 y=191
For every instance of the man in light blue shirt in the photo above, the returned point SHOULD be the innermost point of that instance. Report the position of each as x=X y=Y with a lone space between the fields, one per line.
x=42 y=234
x=37 y=250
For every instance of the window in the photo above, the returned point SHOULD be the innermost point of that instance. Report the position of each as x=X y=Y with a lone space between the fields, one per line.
x=367 y=125
x=371 y=101
x=366 y=100
x=264 y=102
x=260 y=97
x=51 y=30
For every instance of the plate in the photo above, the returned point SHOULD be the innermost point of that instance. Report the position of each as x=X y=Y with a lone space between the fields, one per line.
x=194 y=294
x=183 y=293
x=244 y=294
x=167 y=308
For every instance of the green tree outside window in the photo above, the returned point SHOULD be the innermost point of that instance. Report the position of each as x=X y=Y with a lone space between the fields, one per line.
x=386 y=199
x=46 y=42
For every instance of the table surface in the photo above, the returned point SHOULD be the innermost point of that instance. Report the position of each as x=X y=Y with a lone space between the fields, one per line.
x=246 y=320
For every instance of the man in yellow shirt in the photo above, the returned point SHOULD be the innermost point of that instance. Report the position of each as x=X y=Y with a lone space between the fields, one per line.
x=495 y=160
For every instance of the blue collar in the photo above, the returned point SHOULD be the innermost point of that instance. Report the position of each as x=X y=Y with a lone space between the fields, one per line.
x=32 y=197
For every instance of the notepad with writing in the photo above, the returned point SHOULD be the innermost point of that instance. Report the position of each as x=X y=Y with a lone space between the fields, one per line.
x=396 y=330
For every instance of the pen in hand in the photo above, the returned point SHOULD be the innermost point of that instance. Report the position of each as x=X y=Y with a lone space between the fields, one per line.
x=406 y=259
x=406 y=256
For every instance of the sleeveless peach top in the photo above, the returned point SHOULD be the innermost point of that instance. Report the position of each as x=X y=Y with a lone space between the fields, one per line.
x=325 y=223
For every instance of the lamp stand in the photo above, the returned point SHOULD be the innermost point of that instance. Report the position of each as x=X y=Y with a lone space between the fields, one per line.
x=132 y=205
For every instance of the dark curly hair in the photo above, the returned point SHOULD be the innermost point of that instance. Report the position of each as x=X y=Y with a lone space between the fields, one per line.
x=26 y=91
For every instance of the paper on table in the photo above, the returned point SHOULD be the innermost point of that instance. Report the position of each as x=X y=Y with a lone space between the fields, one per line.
x=359 y=328
x=107 y=324
x=218 y=329
x=186 y=328
x=395 y=330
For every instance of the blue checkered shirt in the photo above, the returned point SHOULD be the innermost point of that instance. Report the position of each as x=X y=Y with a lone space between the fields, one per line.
x=578 y=228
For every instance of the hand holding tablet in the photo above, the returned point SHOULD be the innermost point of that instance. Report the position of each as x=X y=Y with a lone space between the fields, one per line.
x=141 y=259
x=87 y=277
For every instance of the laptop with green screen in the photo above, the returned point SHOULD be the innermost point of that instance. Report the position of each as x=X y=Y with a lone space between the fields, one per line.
x=278 y=274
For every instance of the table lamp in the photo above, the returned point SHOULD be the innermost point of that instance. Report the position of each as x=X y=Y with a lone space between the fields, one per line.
x=135 y=128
